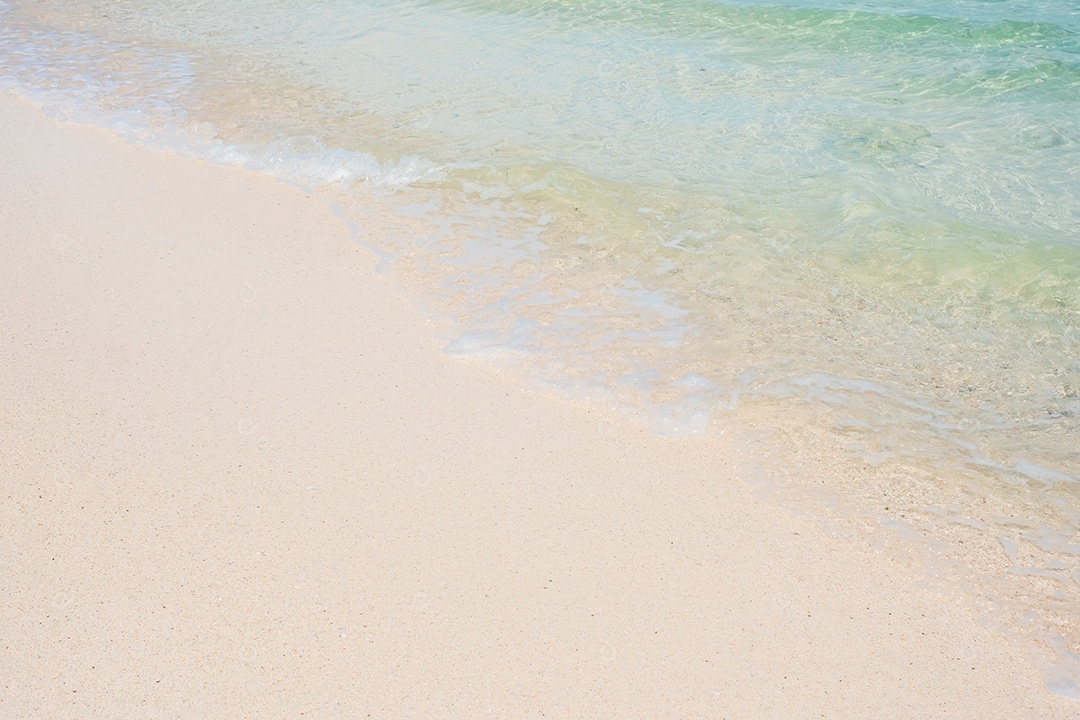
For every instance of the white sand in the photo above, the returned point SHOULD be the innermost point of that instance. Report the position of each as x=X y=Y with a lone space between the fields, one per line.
x=240 y=480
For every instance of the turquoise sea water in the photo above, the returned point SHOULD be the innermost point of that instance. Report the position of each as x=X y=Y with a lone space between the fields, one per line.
x=857 y=223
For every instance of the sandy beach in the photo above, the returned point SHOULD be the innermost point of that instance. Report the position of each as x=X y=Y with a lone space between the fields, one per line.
x=240 y=480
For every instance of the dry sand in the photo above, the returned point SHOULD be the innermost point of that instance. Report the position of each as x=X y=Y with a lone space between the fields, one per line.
x=240 y=480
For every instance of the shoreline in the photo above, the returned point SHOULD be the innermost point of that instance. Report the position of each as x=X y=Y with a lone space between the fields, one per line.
x=244 y=481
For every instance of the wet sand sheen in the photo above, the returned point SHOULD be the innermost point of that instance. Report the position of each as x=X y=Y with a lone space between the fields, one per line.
x=241 y=480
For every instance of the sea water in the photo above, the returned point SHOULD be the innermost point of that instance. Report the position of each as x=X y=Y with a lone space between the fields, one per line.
x=851 y=225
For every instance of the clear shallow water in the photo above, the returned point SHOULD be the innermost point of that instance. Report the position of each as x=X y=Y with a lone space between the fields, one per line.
x=858 y=222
